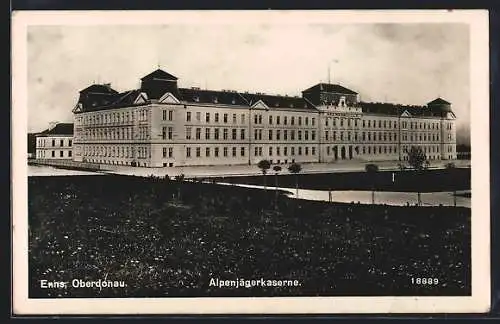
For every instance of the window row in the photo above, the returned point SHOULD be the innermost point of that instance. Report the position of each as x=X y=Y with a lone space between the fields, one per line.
x=216 y=117
x=215 y=152
x=117 y=151
x=107 y=118
x=41 y=154
x=42 y=142
x=278 y=119
x=216 y=133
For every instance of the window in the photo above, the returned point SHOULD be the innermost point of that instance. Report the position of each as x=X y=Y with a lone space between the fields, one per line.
x=70 y=143
x=285 y=151
x=285 y=120
x=188 y=116
x=255 y=119
x=70 y=153
x=207 y=152
x=326 y=136
x=293 y=150
x=225 y=151
x=292 y=121
x=61 y=153
x=307 y=150
x=313 y=150
x=164 y=115
x=292 y=135
x=278 y=135
x=234 y=118
x=225 y=133
x=170 y=133
x=300 y=135
x=198 y=116
x=300 y=120
x=285 y=135
x=198 y=133
x=216 y=117
x=207 y=117
x=216 y=133
x=188 y=152
x=164 y=133
x=242 y=118
x=270 y=135
x=278 y=120
x=278 y=151
x=53 y=142
x=225 y=118
x=207 y=133
x=198 y=152
x=234 y=151
x=270 y=120
x=170 y=152
x=170 y=115
x=234 y=133
x=260 y=119
x=216 y=152
x=313 y=121
x=242 y=151
x=270 y=151
x=313 y=135
x=307 y=121
x=164 y=152
x=188 y=133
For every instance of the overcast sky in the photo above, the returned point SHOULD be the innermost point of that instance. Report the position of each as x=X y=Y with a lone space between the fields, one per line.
x=408 y=64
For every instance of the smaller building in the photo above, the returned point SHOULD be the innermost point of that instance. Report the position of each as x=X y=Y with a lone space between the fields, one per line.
x=55 y=143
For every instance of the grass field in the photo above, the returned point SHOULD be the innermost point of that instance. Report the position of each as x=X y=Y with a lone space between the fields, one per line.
x=165 y=238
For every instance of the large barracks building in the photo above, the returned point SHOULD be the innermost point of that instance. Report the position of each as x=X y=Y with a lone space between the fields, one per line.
x=162 y=125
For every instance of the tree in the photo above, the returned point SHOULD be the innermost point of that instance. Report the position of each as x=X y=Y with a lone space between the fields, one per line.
x=417 y=159
x=372 y=170
x=179 y=178
x=264 y=165
x=451 y=166
x=276 y=170
x=295 y=168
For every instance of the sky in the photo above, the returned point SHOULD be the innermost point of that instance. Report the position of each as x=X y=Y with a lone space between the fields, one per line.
x=399 y=63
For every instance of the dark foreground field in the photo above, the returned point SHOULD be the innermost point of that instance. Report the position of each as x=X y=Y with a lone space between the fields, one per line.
x=404 y=181
x=134 y=230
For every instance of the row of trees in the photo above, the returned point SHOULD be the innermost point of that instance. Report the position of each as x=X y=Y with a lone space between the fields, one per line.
x=417 y=160
x=295 y=168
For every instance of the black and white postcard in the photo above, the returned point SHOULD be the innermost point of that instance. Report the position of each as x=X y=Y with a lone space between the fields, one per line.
x=270 y=162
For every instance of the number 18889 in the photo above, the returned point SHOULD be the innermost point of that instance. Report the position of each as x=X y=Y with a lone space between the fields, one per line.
x=424 y=281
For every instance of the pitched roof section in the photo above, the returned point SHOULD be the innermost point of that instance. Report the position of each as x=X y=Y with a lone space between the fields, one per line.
x=439 y=101
x=212 y=97
x=390 y=109
x=274 y=101
x=328 y=87
x=59 y=129
x=159 y=75
x=99 y=88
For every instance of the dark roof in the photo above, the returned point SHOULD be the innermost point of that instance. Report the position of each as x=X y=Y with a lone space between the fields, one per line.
x=159 y=74
x=212 y=96
x=275 y=101
x=126 y=98
x=59 y=129
x=328 y=87
x=390 y=109
x=439 y=101
x=99 y=88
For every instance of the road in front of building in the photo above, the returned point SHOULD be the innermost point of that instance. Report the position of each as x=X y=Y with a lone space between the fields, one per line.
x=252 y=170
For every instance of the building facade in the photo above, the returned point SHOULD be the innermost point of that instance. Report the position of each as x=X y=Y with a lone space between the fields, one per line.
x=162 y=125
x=55 y=143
